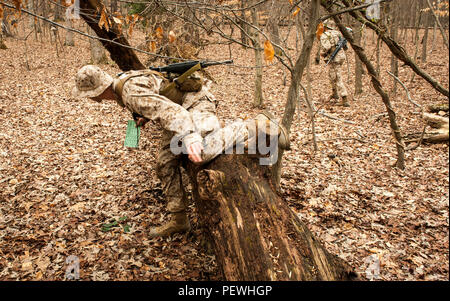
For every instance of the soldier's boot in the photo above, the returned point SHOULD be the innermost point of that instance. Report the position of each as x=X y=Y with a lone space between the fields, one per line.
x=178 y=222
x=344 y=102
x=281 y=131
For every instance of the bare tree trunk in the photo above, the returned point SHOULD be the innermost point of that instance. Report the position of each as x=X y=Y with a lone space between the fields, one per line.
x=425 y=40
x=69 y=34
x=433 y=42
x=58 y=12
x=272 y=24
x=45 y=25
x=358 y=64
x=30 y=8
x=258 y=96
x=296 y=78
x=378 y=50
x=124 y=57
x=114 y=6
x=2 y=43
x=244 y=27
x=394 y=60
x=416 y=41
x=98 y=54
x=37 y=22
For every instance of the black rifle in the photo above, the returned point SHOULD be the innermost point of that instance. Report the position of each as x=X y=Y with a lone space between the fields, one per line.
x=180 y=68
x=341 y=44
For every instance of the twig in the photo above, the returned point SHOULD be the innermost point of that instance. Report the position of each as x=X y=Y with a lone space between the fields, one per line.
x=406 y=89
x=343 y=138
x=420 y=140
x=334 y=118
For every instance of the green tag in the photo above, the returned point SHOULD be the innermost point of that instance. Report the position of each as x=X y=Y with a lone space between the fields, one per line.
x=133 y=134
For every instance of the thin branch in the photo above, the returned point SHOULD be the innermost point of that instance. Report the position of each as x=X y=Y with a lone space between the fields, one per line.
x=420 y=140
x=406 y=89
x=334 y=118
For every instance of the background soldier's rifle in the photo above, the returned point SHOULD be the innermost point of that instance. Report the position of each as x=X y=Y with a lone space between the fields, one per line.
x=341 y=44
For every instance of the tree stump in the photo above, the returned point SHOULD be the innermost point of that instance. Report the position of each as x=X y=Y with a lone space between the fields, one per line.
x=255 y=235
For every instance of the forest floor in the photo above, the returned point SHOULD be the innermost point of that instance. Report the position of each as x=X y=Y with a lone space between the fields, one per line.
x=65 y=174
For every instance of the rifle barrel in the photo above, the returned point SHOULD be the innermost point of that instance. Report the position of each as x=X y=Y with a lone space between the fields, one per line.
x=182 y=67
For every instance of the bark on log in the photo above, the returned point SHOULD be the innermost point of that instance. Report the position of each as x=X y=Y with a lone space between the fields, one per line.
x=255 y=235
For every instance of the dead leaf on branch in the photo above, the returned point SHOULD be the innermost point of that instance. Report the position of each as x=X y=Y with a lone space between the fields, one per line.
x=269 y=52
x=159 y=33
x=320 y=30
x=104 y=20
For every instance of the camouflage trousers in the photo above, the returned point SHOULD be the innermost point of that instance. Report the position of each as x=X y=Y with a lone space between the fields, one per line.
x=216 y=141
x=336 y=81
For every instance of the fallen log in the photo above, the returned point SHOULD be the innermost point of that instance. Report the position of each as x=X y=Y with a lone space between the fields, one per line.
x=254 y=233
x=440 y=127
x=436 y=108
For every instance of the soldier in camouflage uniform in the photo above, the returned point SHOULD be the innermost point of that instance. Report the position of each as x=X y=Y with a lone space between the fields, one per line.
x=328 y=42
x=187 y=117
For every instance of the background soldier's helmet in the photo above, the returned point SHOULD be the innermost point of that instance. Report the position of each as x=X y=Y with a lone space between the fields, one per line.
x=91 y=81
x=329 y=23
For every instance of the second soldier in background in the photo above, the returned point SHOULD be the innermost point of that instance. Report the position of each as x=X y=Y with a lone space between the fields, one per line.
x=328 y=43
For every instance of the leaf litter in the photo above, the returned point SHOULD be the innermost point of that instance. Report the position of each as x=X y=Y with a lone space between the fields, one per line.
x=65 y=175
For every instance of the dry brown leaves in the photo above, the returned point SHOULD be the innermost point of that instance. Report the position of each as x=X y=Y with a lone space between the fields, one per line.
x=64 y=173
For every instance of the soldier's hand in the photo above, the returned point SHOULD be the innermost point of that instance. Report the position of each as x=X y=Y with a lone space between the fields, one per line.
x=194 y=152
x=141 y=121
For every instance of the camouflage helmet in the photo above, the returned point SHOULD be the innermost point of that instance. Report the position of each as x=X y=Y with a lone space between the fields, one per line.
x=329 y=23
x=91 y=81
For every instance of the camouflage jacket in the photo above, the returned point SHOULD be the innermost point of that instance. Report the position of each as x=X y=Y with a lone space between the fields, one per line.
x=140 y=95
x=328 y=41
